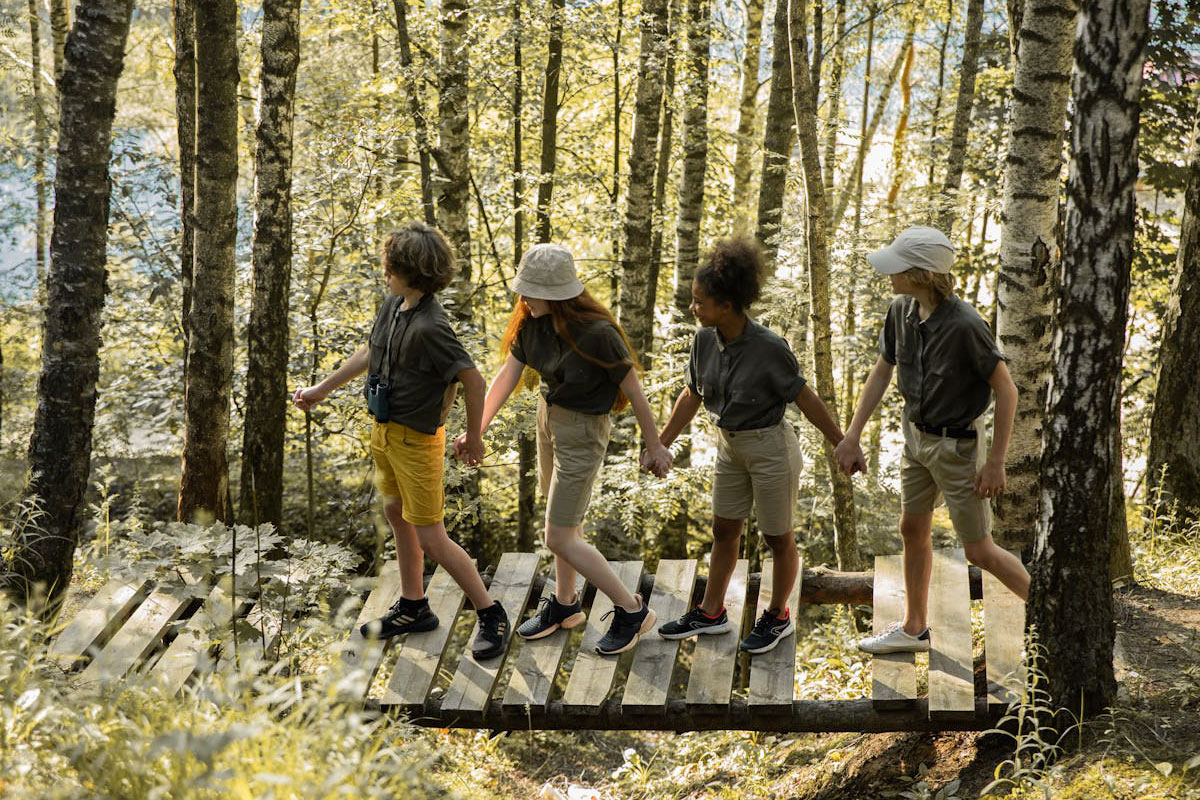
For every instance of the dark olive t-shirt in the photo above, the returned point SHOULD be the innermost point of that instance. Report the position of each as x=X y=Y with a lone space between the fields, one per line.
x=568 y=379
x=748 y=382
x=426 y=358
x=943 y=364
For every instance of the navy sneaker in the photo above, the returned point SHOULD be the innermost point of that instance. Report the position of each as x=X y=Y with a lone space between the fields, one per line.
x=626 y=628
x=405 y=616
x=494 y=632
x=550 y=616
x=767 y=632
x=694 y=623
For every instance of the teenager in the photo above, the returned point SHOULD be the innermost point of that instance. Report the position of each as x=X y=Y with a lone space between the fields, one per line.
x=947 y=366
x=415 y=361
x=746 y=376
x=587 y=369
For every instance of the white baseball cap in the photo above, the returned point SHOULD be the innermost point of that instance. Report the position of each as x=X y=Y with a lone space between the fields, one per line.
x=547 y=272
x=919 y=246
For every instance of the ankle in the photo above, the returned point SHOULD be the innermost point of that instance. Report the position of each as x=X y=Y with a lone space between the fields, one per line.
x=914 y=629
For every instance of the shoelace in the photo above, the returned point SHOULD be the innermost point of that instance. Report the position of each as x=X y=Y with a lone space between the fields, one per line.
x=764 y=622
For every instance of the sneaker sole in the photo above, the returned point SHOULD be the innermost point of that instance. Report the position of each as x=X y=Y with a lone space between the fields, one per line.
x=366 y=634
x=789 y=629
x=573 y=621
x=711 y=630
x=888 y=650
x=647 y=623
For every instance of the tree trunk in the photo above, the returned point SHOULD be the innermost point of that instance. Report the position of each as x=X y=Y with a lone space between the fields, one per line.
x=267 y=362
x=550 y=119
x=454 y=135
x=665 y=138
x=639 y=276
x=935 y=117
x=41 y=146
x=185 y=129
x=747 y=115
x=846 y=543
x=1028 y=247
x=61 y=445
x=1175 y=425
x=1120 y=558
x=956 y=158
x=898 y=142
x=416 y=110
x=60 y=23
x=778 y=137
x=203 y=486
x=615 y=198
x=833 y=117
x=1070 y=604
x=695 y=152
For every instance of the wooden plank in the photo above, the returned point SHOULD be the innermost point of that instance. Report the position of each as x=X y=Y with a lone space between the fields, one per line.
x=1003 y=642
x=592 y=675
x=420 y=656
x=773 y=673
x=104 y=613
x=140 y=635
x=649 y=680
x=361 y=653
x=185 y=653
x=715 y=657
x=951 y=665
x=538 y=663
x=893 y=675
x=472 y=684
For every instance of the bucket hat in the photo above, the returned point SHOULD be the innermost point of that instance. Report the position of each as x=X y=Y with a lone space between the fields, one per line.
x=919 y=246
x=547 y=272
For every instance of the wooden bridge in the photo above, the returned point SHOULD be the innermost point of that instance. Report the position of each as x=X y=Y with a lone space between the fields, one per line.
x=130 y=624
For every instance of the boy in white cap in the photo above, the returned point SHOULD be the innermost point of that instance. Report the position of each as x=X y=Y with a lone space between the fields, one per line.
x=948 y=367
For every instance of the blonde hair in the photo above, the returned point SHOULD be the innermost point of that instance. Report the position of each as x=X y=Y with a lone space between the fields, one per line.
x=941 y=284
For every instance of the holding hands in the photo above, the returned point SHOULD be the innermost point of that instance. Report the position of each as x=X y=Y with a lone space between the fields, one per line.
x=469 y=450
x=656 y=460
x=849 y=456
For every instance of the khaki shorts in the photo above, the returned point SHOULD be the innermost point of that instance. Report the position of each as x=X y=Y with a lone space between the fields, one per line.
x=933 y=464
x=571 y=447
x=408 y=465
x=759 y=468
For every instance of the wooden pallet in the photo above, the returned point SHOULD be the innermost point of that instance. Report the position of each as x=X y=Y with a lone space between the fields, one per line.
x=559 y=682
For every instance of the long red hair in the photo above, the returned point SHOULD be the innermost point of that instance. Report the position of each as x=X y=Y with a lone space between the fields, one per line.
x=564 y=314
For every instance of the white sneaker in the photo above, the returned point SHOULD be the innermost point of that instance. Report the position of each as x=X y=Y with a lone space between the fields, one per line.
x=894 y=639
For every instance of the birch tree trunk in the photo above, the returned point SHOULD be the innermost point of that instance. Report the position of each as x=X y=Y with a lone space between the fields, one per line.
x=267 y=362
x=1175 y=425
x=778 y=136
x=846 y=541
x=1028 y=247
x=204 y=484
x=833 y=117
x=747 y=115
x=184 y=21
x=1070 y=603
x=60 y=23
x=956 y=158
x=416 y=110
x=41 y=146
x=550 y=119
x=898 y=142
x=666 y=139
x=61 y=445
x=454 y=135
x=695 y=151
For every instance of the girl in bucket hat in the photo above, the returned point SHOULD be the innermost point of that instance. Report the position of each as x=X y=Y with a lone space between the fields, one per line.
x=588 y=370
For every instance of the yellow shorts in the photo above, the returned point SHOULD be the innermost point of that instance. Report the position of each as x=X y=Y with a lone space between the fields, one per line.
x=408 y=465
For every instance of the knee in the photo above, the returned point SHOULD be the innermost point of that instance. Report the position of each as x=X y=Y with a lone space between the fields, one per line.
x=979 y=554
x=394 y=510
x=781 y=545
x=913 y=531
x=558 y=536
x=431 y=538
x=726 y=529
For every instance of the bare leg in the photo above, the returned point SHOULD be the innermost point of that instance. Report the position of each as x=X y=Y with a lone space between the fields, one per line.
x=727 y=538
x=565 y=580
x=917 y=532
x=445 y=551
x=1007 y=568
x=567 y=544
x=785 y=560
x=408 y=551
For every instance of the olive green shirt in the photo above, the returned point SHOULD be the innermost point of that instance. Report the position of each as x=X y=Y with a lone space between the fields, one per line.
x=568 y=379
x=426 y=358
x=745 y=383
x=944 y=362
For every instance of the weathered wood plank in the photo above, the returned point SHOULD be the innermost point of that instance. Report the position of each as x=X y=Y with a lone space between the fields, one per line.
x=893 y=675
x=421 y=654
x=184 y=654
x=1003 y=641
x=649 y=680
x=773 y=673
x=472 y=684
x=538 y=663
x=140 y=635
x=362 y=653
x=715 y=657
x=951 y=666
x=592 y=675
x=100 y=618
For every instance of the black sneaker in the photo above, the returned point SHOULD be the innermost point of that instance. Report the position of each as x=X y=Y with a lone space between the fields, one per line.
x=494 y=632
x=550 y=616
x=405 y=616
x=767 y=632
x=694 y=623
x=626 y=628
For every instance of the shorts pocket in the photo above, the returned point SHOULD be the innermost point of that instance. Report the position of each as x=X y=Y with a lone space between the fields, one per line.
x=964 y=449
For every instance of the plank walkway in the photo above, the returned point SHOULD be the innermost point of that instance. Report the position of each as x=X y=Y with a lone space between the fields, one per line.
x=559 y=682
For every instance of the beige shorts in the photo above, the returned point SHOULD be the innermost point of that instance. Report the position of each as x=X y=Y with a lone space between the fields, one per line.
x=760 y=469
x=936 y=464
x=571 y=447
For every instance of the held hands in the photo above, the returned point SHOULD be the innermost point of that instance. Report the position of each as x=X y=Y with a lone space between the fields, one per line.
x=469 y=450
x=656 y=460
x=990 y=482
x=849 y=456
x=308 y=396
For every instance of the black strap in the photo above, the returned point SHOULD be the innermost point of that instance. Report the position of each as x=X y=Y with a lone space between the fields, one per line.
x=386 y=369
x=953 y=433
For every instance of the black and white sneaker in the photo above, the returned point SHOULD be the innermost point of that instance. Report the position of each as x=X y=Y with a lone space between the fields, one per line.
x=405 y=616
x=550 y=616
x=694 y=623
x=494 y=632
x=767 y=632
x=626 y=628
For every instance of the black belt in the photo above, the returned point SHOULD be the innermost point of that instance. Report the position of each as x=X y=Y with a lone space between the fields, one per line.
x=953 y=433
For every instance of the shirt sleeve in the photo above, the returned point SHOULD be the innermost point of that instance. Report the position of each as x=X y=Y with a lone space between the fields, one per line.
x=693 y=369
x=980 y=348
x=611 y=349
x=517 y=348
x=785 y=373
x=887 y=336
x=445 y=352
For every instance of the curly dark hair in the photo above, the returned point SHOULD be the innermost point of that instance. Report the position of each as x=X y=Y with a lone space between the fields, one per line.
x=419 y=254
x=733 y=272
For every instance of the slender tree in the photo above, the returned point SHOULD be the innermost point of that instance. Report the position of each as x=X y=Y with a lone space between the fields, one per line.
x=266 y=371
x=747 y=115
x=416 y=110
x=184 y=23
x=550 y=104
x=60 y=23
x=899 y=140
x=615 y=195
x=454 y=134
x=833 y=116
x=695 y=151
x=526 y=444
x=778 y=136
x=41 y=146
x=935 y=117
x=1070 y=602
x=666 y=139
x=204 y=483
x=956 y=158
x=1029 y=247
x=61 y=445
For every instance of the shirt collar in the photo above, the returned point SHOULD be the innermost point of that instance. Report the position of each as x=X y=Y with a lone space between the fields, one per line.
x=939 y=315
x=752 y=328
